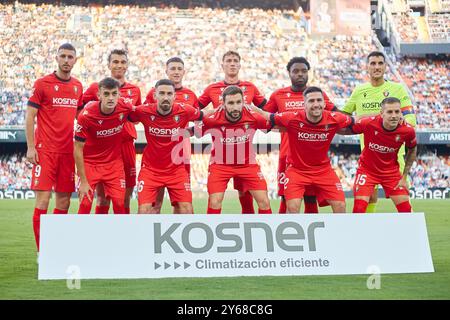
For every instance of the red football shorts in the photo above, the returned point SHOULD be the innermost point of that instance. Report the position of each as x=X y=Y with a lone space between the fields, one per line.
x=365 y=183
x=54 y=171
x=176 y=181
x=309 y=190
x=326 y=184
x=248 y=176
x=111 y=176
x=129 y=162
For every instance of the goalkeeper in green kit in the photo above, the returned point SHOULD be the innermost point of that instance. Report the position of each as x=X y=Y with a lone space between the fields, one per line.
x=366 y=100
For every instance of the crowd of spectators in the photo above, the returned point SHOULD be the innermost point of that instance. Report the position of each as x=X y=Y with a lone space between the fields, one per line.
x=429 y=82
x=428 y=171
x=439 y=26
x=406 y=26
x=200 y=36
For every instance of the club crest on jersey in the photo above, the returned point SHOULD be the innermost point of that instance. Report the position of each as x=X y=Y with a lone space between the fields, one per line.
x=301 y=124
x=129 y=92
x=327 y=127
x=56 y=87
x=121 y=116
x=186 y=97
x=288 y=94
x=223 y=128
x=100 y=121
x=386 y=93
x=75 y=88
x=365 y=94
x=244 y=88
x=176 y=118
x=397 y=138
x=246 y=125
x=376 y=132
x=152 y=118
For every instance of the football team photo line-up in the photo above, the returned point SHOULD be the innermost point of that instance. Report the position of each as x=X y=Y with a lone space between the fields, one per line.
x=101 y=152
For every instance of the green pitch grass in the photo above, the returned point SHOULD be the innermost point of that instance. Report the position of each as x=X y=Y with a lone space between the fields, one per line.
x=18 y=269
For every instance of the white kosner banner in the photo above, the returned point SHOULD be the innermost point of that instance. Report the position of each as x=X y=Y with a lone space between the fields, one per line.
x=160 y=246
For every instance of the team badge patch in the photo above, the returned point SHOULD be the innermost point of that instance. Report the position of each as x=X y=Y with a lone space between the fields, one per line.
x=121 y=116
x=186 y=97
x=386 y=93
x=326 y=127
x=56 y=88
x=75 y=88
x=152 y=118
x=397 y=138
x=244 y=88
x=129 y=92
x=100 y=121
x=301 y=124
x=176 y=118
x=288 y=94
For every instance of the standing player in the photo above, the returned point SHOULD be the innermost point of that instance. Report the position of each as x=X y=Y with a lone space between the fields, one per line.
x=231 y=64
x=54 y=102
x=311 y=131
x=118 y=65
x=291 y=99
x=378 y=164
x=164 y=124
x=98 y=133
x=366 y=100
x=175 y=71
x=232 y=129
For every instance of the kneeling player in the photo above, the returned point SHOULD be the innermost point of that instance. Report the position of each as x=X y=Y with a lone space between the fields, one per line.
x=378 y=164
x=232 y=129
x=97 y=155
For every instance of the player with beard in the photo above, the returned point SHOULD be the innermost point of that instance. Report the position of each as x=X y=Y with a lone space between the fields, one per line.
x=291 y=99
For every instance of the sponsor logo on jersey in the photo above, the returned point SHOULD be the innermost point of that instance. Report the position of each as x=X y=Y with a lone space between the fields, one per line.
x=306 y=136
x=163 y=132
x=294 y=104
x=110 y=132
x=65 y=102
x=371 y=105
x=381 y=149
x=235 y=139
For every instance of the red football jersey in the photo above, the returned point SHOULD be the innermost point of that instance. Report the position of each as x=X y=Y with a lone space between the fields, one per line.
x=57 y=101
x=309 y=142
x=232 y=142
x=102 y=132
x=213 y=94
x=286 y=99
x=182 y=95
x=164 y=134
x=381 y=146
x=130 y=94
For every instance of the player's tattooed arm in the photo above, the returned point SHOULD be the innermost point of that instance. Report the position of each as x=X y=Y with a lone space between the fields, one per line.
x=411 y=155
x=84 y=189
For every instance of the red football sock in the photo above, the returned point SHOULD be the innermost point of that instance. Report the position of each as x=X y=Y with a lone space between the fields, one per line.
x=404 y=207
x=60 y=211
x=101 y=209
x=311 y=207
x=85 y=206
x=360 y=206
x=247 y=203
x=213 y=211
x=267 y=211
x=282 y=206
x=37 y=224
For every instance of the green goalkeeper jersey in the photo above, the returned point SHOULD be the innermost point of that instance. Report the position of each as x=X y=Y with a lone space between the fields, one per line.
x=366 y=100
